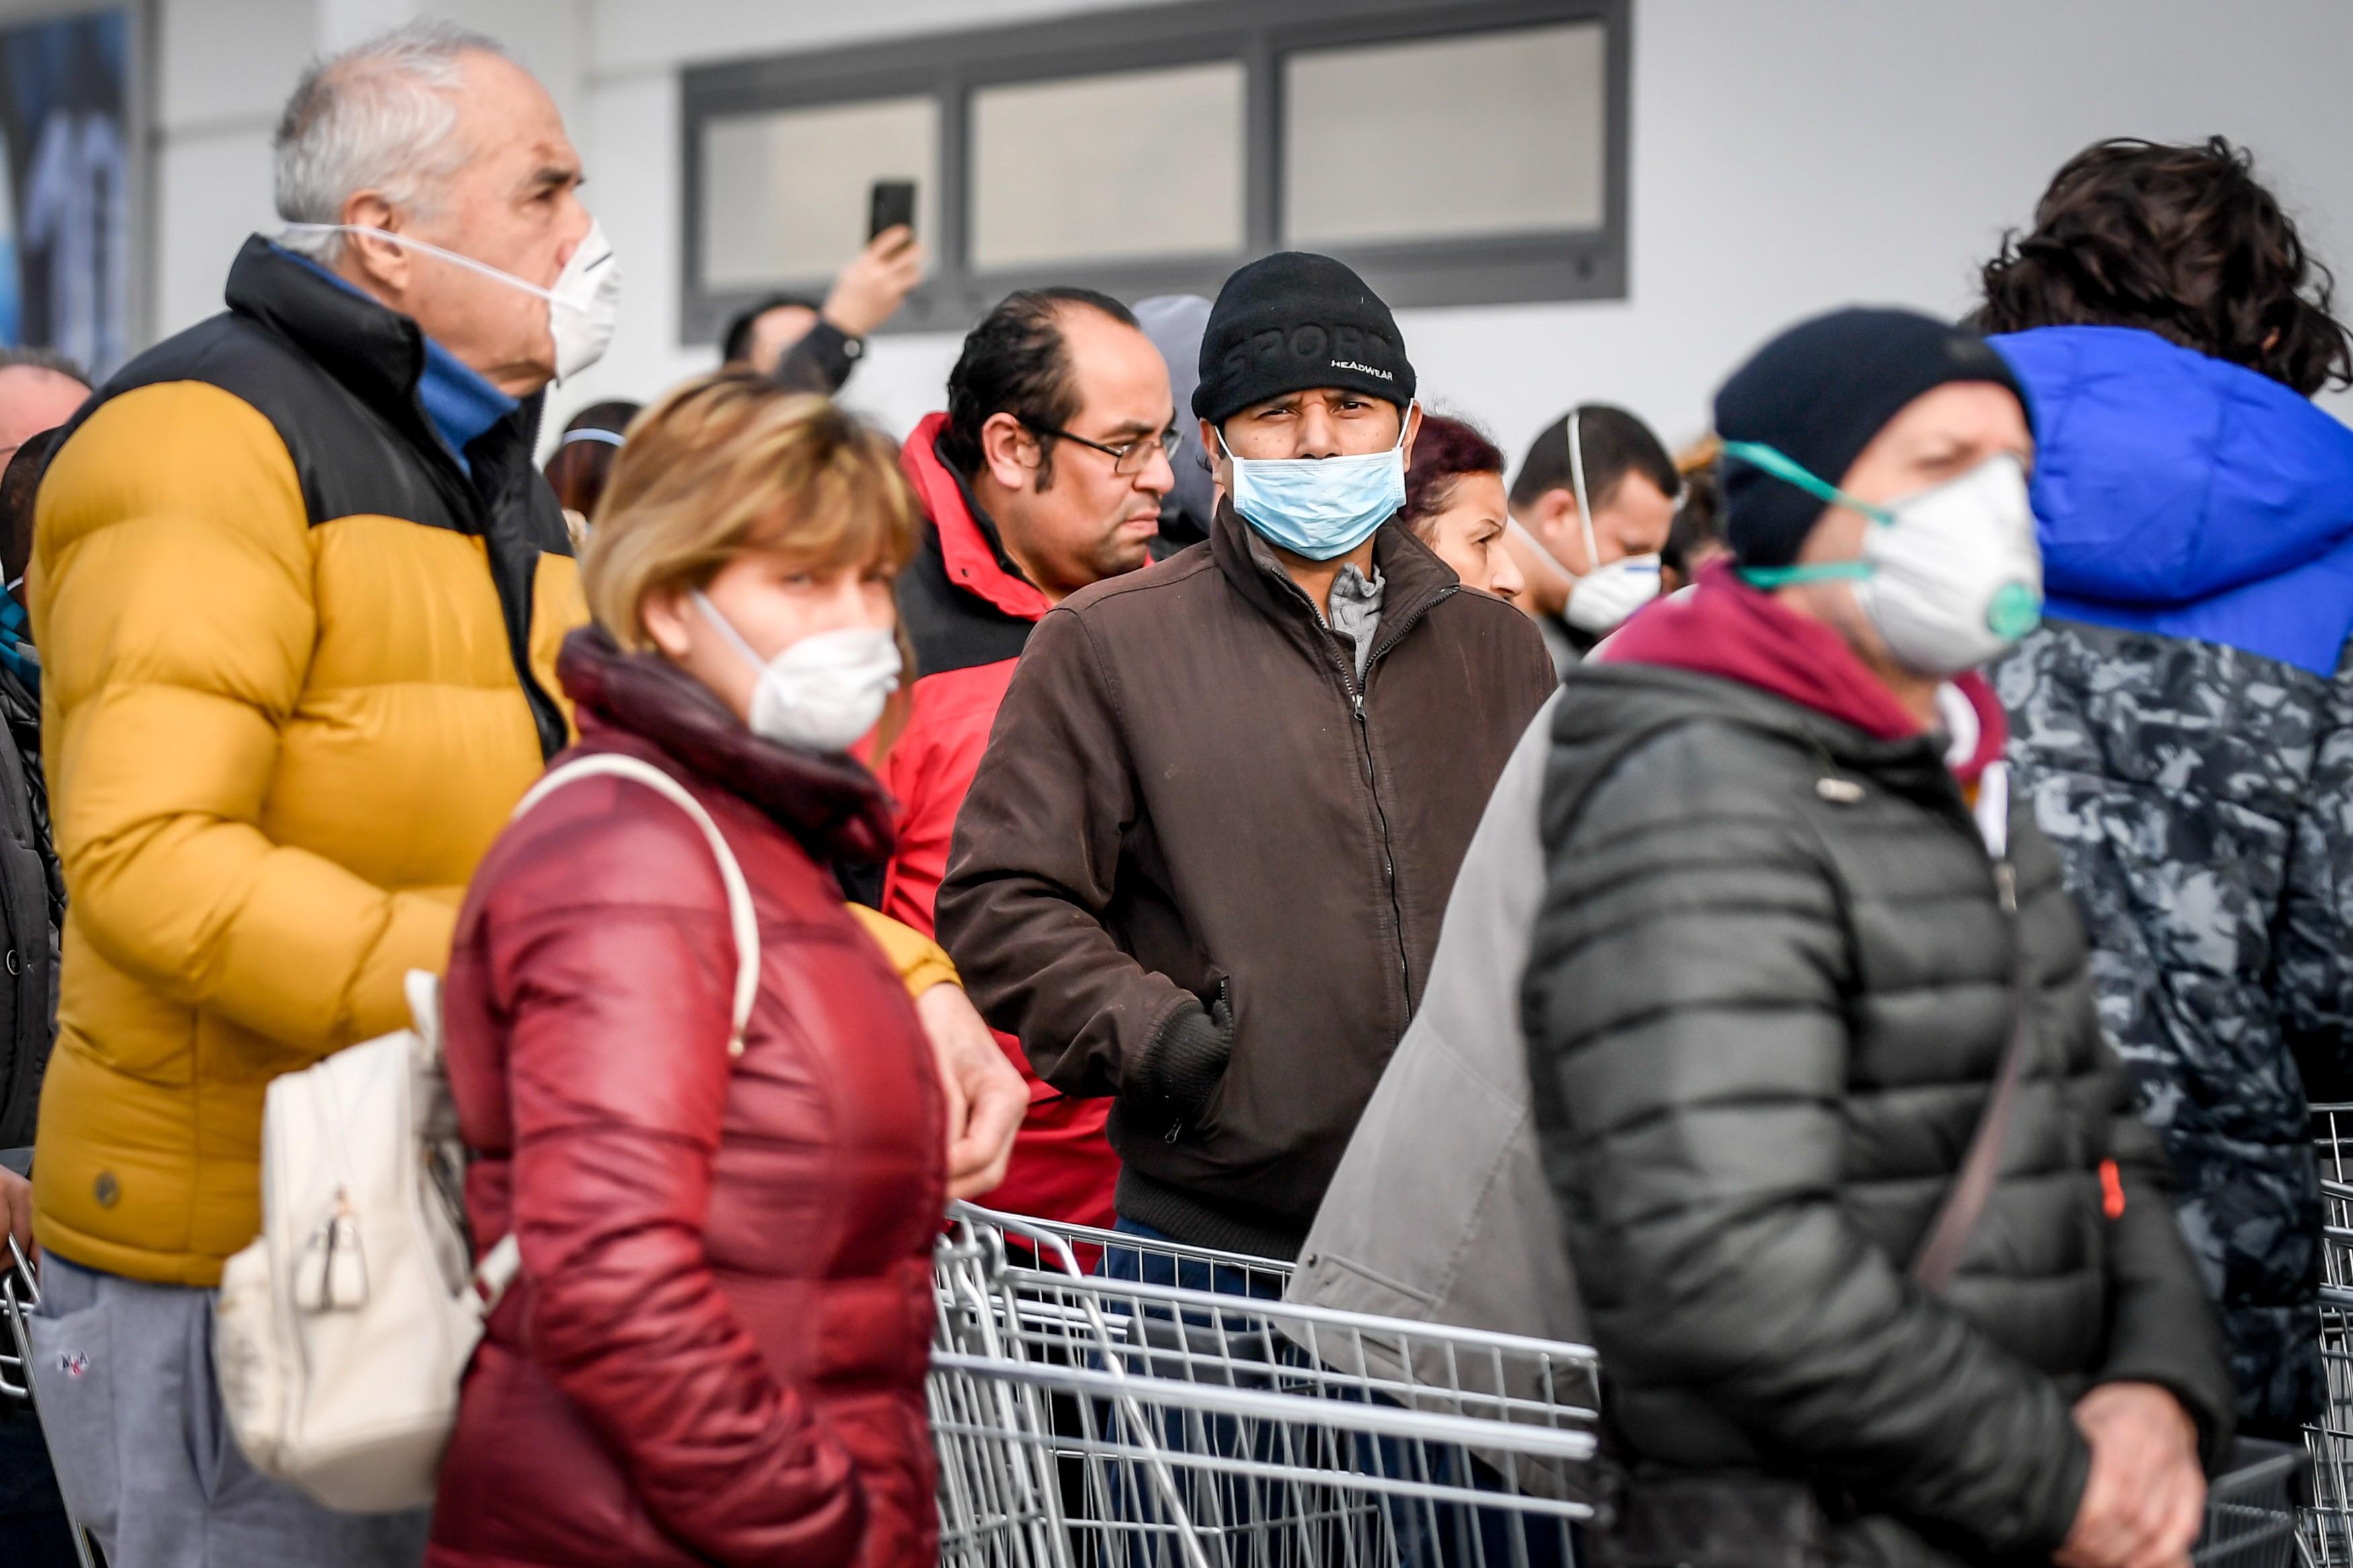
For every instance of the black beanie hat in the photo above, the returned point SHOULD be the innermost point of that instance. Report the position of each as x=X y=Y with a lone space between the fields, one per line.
x=1293 y=322
x=1817 y=394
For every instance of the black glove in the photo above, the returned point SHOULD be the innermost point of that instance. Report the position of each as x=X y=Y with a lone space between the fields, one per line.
x=1182 y=1065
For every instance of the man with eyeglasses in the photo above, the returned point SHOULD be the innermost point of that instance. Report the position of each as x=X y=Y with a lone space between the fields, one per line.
x=1045 y=474
x=1200 y=870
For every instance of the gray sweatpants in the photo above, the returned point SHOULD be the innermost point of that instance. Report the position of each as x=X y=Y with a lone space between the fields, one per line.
x=123 y=1372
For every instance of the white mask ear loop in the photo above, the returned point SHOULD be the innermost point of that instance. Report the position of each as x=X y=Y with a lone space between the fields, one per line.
x=727 y=629
x=394 y=236
x=1577 y=482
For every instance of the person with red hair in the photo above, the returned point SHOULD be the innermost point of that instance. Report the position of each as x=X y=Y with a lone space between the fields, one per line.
x=1454 y=502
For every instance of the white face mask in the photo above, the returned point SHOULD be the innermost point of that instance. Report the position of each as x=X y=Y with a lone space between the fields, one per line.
x=582 y=307
x=1600 y=600
x=822 y=693
x=1950 y=576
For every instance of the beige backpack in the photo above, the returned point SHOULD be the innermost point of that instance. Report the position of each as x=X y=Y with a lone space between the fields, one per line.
x=342 y=1333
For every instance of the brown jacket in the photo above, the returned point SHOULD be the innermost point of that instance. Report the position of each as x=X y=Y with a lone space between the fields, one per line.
x=1190 y=809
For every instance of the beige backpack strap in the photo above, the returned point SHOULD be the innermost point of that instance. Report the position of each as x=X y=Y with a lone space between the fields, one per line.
x=746 y=926
x=504 y=1261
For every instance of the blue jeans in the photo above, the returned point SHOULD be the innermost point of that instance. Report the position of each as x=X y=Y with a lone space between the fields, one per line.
x=1262 y=1520
x=1190 y=1274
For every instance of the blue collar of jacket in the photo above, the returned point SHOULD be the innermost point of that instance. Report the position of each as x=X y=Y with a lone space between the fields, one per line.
x=2188 y=496
x=18 y=654
x=461 y=405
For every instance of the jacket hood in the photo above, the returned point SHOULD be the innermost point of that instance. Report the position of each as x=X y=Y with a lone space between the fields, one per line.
x=966 y=547
x=2183 y=495
x=827 y=801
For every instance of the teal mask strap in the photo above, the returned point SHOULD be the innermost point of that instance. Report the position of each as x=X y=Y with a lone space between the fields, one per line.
x=1789 y=471
x=1758 y=455
x=1818 y=572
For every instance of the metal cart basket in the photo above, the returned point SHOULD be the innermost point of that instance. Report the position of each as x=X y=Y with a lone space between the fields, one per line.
x=1088 y=1420
x=2328 y=1521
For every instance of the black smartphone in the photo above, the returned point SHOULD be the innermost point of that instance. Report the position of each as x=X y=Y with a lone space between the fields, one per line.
x=890 y=204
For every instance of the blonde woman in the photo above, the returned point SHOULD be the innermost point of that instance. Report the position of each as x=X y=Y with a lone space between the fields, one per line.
x=715 y=1349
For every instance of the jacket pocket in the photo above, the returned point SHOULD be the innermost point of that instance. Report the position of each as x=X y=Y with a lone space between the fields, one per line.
x=1327 y=1280
x=73 y=1383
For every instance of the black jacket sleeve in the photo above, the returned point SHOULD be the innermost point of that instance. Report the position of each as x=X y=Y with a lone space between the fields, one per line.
x=819 y=363
x=2162 y=1325
x=1686 y=1007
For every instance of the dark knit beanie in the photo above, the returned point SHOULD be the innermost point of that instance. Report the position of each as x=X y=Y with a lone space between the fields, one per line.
x=1818 y=394
x=1293 y=321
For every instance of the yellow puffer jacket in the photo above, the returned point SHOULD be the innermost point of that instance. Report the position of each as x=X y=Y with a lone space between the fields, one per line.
x=298 y=669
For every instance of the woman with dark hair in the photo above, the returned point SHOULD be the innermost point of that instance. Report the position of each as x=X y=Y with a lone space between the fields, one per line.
x=584 y=461
x=1454 y=503
x=2184 y=716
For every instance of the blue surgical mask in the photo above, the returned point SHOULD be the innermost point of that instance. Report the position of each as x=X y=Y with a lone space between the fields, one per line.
x=1319 y=507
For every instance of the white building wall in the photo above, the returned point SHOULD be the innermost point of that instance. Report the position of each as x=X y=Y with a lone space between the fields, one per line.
x=1785 y=158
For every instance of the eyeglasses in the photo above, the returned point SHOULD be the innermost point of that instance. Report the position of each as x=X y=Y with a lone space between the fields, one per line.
x=1128 y=459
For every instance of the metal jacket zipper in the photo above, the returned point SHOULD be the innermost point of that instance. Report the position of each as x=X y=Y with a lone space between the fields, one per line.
x=1391 y=634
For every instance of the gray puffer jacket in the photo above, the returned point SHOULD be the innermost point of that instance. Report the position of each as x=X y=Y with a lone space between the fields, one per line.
x=1771 y=984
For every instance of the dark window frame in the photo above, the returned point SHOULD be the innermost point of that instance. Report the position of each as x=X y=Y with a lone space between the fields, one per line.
x=1510 y=268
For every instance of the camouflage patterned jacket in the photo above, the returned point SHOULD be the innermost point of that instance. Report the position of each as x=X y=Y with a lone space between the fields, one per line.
x=2184 y=722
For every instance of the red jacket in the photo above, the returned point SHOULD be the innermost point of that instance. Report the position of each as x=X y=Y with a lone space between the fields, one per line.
x=715 y=1351
x=968 y=611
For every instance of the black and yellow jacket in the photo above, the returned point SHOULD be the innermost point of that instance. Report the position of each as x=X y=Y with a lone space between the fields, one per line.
x=299 y=669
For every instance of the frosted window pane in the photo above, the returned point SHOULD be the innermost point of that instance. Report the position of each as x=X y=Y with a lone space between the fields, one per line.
x=785 y=196
x=1494 y=133
x=1107 y=168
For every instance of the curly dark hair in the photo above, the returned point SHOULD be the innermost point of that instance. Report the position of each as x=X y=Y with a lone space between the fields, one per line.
x=2182 y=241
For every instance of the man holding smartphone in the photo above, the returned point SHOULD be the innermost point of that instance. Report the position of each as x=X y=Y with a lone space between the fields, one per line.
x=811 y=345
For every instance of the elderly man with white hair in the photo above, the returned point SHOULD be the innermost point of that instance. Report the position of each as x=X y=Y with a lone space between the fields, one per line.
x=299 y=589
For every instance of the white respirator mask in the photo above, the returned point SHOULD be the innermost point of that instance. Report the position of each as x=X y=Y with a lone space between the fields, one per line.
x=582 y=307
x=822 y=693
x=1950 y=575
x=1600 y=600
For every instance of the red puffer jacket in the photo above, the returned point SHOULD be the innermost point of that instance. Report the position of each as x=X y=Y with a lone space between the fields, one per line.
x=715 y=1350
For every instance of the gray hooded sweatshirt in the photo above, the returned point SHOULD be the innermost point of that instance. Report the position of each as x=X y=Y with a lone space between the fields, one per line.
x=1439 y=1211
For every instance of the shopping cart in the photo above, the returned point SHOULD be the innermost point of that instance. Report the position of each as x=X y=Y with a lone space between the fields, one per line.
x=20 y=1292
x=2328 y=1521
x=1082 y=1249
x=1082 y=1419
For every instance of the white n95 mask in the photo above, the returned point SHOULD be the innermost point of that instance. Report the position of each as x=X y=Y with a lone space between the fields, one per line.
x=1600 y=600
x=582 y=307
x=822 y=693
x=1950 y=576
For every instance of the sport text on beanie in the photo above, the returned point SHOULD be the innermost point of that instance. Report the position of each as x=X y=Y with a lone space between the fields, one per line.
x=1293 y=321
x=1817 y=394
